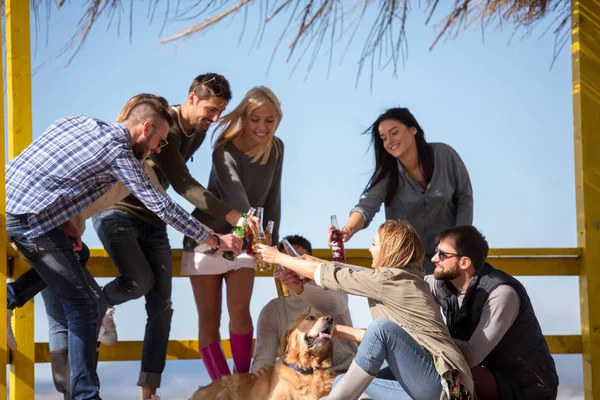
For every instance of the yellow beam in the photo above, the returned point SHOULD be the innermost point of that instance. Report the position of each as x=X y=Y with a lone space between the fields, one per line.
x=586 y=118
x=188 y=349
x=3 y=252
x=18 y=74
x=512 y=261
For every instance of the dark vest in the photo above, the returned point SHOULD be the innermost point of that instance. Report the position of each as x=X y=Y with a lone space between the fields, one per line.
x=521 y=362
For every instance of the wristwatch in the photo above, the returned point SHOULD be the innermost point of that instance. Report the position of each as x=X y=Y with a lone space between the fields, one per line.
x=218 y=242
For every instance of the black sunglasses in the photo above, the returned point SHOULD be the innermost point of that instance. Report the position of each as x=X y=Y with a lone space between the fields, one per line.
x=444 y=256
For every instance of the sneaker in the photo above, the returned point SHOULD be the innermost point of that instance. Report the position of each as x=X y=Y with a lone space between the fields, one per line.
x=108 y=330
x=11 y=342
x=154 y=397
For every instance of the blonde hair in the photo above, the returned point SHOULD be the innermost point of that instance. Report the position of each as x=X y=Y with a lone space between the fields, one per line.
x=232 y=126
x=137 y=100
x=400 y=244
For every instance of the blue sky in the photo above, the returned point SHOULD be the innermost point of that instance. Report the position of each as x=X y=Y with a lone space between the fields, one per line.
x=500 y=106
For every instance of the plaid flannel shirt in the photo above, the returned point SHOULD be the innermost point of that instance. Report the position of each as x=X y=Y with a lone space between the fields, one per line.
x=72 y=164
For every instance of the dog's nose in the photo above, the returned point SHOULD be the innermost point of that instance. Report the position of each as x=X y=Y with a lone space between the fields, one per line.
x=329 y=319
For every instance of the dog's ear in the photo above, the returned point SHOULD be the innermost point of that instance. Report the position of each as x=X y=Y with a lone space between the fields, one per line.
x=285 y=341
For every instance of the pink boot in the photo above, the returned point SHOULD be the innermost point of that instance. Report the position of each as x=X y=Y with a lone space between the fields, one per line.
x=241 y=348
x=214 y=361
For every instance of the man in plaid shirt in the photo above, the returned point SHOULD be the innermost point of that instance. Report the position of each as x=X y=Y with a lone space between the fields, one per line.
x=73 y=163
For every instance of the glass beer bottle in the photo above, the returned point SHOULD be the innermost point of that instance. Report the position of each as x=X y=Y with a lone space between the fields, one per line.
x=337 y=241
x=289 y=249
x=282 y=290
x=239 y=231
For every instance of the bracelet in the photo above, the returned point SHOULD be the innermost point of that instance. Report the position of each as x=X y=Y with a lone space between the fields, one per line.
x=218 y=242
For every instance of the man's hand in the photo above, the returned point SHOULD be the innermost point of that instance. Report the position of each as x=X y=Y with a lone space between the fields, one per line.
x=73 y=234
x=233 y=217
x=230 y=242
x=290 y=279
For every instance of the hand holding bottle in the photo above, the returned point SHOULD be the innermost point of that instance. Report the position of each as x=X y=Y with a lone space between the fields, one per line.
x=268 y=254
x=231 y=243
x=290 y=279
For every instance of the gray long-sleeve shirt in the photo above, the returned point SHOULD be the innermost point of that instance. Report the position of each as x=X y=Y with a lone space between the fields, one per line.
x=447 y=201
x=237 y=181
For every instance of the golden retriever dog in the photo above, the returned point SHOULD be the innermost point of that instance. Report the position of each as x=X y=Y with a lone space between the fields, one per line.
x=304 y=370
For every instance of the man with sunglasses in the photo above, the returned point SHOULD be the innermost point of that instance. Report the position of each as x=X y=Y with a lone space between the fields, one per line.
x=70 y=166
x=491 y=319
x=136 y=239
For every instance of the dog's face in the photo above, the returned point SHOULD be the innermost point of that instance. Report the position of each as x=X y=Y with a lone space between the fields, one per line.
x=307 y=342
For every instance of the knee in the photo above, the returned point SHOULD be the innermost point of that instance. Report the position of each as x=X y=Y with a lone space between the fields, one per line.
x=238 y=312
x=137 y=285
x=382 y=327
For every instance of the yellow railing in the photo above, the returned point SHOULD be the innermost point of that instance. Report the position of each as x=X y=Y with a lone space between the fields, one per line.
x=514 y=261
x=583 y=261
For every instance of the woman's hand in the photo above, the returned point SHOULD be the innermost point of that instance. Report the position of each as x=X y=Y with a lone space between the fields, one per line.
x=347 y=233
x=268 y=254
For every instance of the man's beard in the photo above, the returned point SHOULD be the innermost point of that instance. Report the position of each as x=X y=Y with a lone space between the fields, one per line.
x=447 y=275
x=140 y=150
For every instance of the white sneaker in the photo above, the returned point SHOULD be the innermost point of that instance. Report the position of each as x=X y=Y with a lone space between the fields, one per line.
x=108 y=330
x=11 y=342
x=154 y=397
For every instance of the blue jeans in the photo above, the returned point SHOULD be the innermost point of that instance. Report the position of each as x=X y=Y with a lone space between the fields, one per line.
x=51 y=255
x=411 y=373
x=142 y=254
x=58 y=326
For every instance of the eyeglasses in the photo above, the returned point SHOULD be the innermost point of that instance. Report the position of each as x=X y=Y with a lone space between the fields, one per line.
x=163 y=141
x=444 y=256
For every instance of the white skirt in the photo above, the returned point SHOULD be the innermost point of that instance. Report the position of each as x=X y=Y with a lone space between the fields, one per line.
x=198 y=263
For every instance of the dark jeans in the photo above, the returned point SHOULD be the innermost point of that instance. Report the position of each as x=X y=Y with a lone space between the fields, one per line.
x=51 y=255
x=142 y=254
x=411 y=373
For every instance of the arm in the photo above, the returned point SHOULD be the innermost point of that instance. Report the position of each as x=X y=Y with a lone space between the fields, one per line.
x=368 y=205
x=173 y=166
x=129 y=171
x=224 y=169
x=349 y=333
x=267 y=341
x=273 y=203
x=463 y=191
x=364 y=282
x=498 y=314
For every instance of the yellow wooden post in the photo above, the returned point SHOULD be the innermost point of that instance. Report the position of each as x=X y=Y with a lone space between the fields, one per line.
x=586 y=110
x=3 y=255
x=18 y=71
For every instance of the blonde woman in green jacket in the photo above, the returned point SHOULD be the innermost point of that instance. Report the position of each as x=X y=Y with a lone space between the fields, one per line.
x=407 y=329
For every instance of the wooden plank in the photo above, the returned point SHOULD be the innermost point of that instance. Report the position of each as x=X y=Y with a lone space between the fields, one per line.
x=586 y=118
x=188 y=349
x=18 y=77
